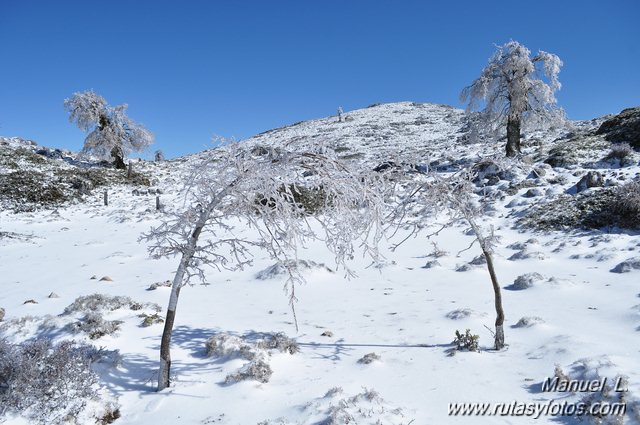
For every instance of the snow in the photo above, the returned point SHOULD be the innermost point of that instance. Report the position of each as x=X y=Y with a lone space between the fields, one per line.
x=580 y=315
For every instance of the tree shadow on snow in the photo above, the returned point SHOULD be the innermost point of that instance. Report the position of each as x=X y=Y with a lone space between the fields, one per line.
x=340 y=348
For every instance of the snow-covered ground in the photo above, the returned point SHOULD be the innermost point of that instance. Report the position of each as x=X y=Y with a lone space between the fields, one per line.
x=578 y=314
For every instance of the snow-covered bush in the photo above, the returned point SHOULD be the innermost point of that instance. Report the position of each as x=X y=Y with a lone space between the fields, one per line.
x=101 y=302
x=620 y=152
x=256 y=349
x=95 y=326
x=45 y=382
x=256 y=370
x=280 y=342
x=337 y=408
x=627 y=204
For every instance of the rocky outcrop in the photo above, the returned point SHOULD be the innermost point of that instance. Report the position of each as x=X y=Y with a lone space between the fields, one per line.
x=624 y=127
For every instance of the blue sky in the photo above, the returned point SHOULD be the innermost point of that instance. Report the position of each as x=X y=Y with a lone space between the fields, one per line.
x=192 y=69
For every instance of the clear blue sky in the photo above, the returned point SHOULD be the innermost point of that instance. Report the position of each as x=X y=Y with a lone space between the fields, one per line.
x=192 y=69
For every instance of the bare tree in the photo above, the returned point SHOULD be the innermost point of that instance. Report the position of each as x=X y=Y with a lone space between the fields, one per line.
x=112 y=134
x=428 y=195
x=232 y=185
x=516 y=90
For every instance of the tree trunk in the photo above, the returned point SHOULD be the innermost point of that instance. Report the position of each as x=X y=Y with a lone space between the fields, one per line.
x=497 y=294
x=499 y=337
x=165 y=343
x=513 y=136
x=118 y=158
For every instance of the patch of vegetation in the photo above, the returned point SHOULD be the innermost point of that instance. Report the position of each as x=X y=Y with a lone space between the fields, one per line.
x=95 y=326
x=31 y=181
x=621 y=152
x=575 y=151
x=309 y=199
x=29 y=190
x=466 y=341
x=608 y=207
x=101 y=302
x=44 y=382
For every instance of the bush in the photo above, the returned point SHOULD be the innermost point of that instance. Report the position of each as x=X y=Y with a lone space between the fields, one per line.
x=254 y=348
x=620 y=152
x=627 y=204
x=466 y=342
x=278 y=341
x=608 y=207
x=257 y=370
x=44 y=382
x=94 y=325
x=101 y=302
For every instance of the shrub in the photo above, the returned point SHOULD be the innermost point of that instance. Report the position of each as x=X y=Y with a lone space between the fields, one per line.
x=94 y=325
x=44 y=382
x=627 y=204
x=466 y=341
x=257 y=370
x=255 y=350
x=279 y=341
x=620 y=152
x=101 y=302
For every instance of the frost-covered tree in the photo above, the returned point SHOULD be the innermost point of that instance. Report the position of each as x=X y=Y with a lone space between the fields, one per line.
x=261 y=192
x=112 y=134
x=426 y=196
x=516 y=90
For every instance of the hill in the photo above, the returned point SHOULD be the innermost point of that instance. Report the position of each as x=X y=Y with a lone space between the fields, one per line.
x=374 y=349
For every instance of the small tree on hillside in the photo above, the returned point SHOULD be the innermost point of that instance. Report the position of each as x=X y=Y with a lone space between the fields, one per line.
x=112 y=134
x=429 y=195
x=261 y=192
x=513 y=91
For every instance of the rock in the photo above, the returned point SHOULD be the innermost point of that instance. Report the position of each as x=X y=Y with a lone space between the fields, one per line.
x=528 y=321
x=532 y=193
x=31 y=301
x=478 y=261
x=589 y=180
x=464 y=268
x=431 y=264
x=624 y=127
x=154 y=286
x=94 y=277
x=461 y=313
x=525 y=281
x=53 y=295
x=280 y=269
x=627 y=265
x=369 y=358
x=106 y=279
x=2 y=313
x=525 y=255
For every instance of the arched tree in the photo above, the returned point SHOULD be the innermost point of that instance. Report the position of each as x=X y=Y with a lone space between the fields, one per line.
x=112 y=134
x=232 y=184
x=516 y=90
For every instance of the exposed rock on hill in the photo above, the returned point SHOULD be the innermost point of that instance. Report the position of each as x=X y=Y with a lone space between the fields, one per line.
x=624 y=127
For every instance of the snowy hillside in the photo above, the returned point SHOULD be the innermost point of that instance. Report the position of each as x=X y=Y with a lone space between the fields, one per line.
x=373 y=349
